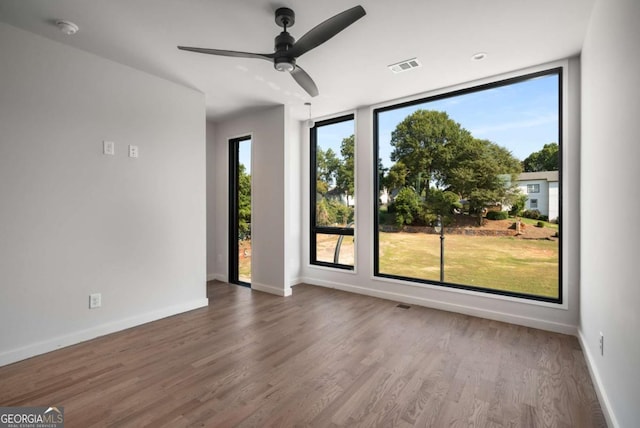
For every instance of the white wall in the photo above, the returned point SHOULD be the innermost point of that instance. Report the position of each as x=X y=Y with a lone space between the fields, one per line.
x=293 y=198
x=610 y=289
x=270 y=192
x=561 y=318
x=553 y=199
x=74 y=221
x=212 y=201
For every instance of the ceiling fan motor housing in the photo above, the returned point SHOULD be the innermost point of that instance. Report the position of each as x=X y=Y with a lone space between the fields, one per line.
x=282 y=61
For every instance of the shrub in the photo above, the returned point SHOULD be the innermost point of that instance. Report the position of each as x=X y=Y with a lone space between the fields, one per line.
x=497 y=215
x=406 y=206
x=330 y=212
x=385 y=217
x=518 y=205
x=532 y=214
x=540 y=224
x=543 y=218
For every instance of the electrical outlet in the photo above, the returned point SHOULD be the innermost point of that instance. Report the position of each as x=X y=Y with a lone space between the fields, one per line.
x=601 y=344
x=95 y=300
x=108 y=147
x=133 y=151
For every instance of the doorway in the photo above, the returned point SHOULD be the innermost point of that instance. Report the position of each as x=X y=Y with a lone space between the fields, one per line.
x=240 y=248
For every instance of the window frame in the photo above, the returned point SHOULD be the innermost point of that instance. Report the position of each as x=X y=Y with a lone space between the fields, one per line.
x=234 y=172
x=557 y=71
x=314 y=230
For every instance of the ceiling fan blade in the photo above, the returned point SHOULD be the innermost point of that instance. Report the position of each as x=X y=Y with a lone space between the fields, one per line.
x=305 y=81
x=326 y=30
x=268 y=57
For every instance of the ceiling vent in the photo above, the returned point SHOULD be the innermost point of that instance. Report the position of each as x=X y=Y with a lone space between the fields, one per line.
x=405 y=65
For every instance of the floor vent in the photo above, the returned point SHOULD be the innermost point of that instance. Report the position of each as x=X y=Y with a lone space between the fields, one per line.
x=403 y=306
x=405 y=65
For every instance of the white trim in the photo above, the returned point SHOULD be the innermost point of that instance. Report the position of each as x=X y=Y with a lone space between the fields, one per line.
x=451 y=307
x=58 y=342
x=295 y=281
x=217 y=276
x=603 y=398
x=333 y=268
x=284 y=292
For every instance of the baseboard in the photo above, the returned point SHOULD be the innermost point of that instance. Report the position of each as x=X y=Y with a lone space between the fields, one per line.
x=216 y=276
x=284 y=292
x=451 y=307
x=63 y=341
x=603 y=398
x=295 y=281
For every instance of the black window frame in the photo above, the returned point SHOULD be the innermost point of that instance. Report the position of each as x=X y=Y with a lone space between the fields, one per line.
x=324 y=230
x=234 y=171
x=558 y=71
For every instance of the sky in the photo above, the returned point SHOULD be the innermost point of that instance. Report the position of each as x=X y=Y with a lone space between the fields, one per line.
x=521 y=117
x=244 y=155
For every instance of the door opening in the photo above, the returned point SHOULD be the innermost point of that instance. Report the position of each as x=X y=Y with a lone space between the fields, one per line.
x=240 y=211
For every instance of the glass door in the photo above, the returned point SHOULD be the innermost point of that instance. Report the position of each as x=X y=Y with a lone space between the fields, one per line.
x=240 y=211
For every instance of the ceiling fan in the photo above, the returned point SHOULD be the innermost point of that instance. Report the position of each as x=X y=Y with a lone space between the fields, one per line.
x=287 y=50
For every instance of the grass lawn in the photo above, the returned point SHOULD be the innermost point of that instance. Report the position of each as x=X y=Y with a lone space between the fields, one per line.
x=533 y=222
x=500 y=263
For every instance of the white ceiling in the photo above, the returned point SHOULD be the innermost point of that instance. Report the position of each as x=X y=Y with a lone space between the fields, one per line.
x=350 y=70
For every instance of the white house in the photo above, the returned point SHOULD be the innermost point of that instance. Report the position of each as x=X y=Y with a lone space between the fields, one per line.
x=541 y=189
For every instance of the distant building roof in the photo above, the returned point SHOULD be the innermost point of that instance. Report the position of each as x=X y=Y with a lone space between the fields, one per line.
x=540 y=175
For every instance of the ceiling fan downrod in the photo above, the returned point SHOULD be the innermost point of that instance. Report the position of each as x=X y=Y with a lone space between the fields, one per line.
x=285 y=17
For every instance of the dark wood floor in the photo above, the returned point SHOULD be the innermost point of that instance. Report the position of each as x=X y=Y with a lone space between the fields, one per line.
x=319 y=358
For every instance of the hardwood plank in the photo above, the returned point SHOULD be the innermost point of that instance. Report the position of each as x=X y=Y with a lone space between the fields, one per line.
x=320 y=358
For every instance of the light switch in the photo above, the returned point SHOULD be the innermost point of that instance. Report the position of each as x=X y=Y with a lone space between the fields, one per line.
x=108 y=147
x=133 y=151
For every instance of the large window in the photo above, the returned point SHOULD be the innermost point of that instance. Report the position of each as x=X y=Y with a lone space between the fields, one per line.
x=451 y=209
x=332 y=193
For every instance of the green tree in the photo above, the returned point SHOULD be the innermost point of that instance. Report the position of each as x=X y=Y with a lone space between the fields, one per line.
x=482 y=172
x=518 y=204
x=546 y=159
x=344 y=173
x=439 y=154
x=439 y=202
x=244 y=202
x=406 y=206
x=327 y=164
x=422 y=142
x=382 y=173
x=397 y=176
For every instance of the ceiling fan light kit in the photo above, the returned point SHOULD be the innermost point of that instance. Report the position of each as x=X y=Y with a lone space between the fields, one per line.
x=287 y=50
x=310 y=123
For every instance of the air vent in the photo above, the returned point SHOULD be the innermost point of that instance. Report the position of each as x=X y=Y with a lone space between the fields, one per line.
x=405 y=65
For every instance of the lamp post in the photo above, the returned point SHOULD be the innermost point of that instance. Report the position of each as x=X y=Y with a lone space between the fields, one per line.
x=439 y=228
